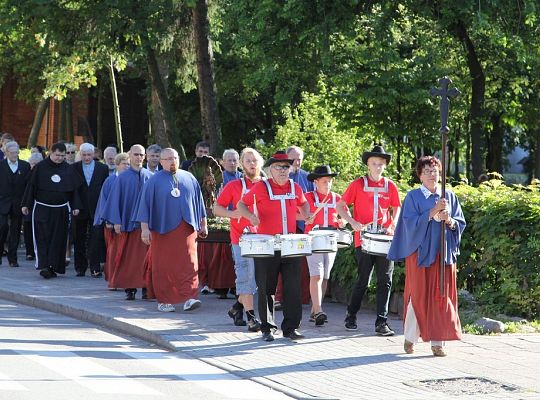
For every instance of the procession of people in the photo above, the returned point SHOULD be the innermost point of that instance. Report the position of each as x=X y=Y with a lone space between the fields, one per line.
x=139 y=225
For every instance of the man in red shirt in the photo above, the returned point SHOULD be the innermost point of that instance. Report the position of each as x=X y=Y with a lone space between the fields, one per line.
x=225 y=206
x=277 y=201
x=364 y=193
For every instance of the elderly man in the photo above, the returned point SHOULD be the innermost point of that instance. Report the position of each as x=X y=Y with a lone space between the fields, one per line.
x=268 y=198
x=153 y=153
x=244 y=268
x=52 y=193
x=108 y=156
x=230 y=163
x=27 y=219
x=71 y=152
x=14 y=175
x=120 y=210
x=88 y=240
x=172 y=215
x=201 y=149
x=5 y=138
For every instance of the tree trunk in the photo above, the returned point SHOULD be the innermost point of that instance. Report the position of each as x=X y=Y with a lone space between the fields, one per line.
x=99 y=118
x=536 y=170
x=62 y=126
x=476 y=110
x=161 y=106
x=211 y=129
x=38 y=120
x=69 y=119
x=116 y=108
x=456 y=153
x=495 y=148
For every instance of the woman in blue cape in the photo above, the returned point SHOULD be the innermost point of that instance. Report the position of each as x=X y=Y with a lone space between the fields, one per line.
x=427 y=314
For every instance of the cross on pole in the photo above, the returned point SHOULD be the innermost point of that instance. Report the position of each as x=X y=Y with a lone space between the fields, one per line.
x=444 y=106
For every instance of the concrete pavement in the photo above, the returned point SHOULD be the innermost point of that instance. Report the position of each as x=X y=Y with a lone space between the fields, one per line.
x=331 y=363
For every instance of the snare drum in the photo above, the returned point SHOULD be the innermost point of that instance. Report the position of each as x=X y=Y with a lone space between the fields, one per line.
x=254 y=245
x=344 y=238
x=323 y=241
x=295 y=245
x=376 y=244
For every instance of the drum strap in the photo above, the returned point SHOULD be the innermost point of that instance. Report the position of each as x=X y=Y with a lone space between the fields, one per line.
x=376 y=191
x=244 y=186
x=325 y=206
x=282 y=198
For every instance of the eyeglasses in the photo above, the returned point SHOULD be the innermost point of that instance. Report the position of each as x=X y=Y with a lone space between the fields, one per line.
x=281 y=167
x=70 y=152
x=170 y=158
x=430 y=171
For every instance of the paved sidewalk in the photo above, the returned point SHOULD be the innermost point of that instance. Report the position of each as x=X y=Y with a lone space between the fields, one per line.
x=331 y=363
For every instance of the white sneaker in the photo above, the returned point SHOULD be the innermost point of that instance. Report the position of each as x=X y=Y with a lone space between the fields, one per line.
x=192 y=304
x=206 y=290
x=165 y=307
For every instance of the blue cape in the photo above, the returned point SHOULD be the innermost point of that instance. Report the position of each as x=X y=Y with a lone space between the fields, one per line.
x=103 y=197
x=123 y=199
x=164 y=212
x=415 y=232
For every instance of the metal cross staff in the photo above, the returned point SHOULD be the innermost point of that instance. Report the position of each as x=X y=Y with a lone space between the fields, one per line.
x=444 y=93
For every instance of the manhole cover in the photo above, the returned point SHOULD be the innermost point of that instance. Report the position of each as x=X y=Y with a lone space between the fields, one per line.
x=465 y=386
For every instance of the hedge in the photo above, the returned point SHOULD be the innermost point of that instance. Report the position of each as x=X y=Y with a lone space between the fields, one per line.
x=500 y=251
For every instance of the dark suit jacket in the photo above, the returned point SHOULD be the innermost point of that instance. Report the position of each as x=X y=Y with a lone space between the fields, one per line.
x=89 y=194
x=12 y=186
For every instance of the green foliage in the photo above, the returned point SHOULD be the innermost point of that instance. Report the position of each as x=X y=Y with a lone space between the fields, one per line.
x=501 y=247
x=312 y=127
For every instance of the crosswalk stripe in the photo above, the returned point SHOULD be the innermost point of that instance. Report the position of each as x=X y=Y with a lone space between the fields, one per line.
x=6 y=383
x=210 y=377
x=89 y=374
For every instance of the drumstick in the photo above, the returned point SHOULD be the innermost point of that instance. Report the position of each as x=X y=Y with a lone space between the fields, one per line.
x=326 y=200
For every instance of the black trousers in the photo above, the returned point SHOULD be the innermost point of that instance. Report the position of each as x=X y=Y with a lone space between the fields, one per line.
x=10 y=232
x=51 y=231
x=384 y=269
x=89 y=245
x=267 y=270
x=28 y=238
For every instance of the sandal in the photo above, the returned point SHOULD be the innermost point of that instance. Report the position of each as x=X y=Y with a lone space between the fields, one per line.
x=408 y=347
x=438 y=351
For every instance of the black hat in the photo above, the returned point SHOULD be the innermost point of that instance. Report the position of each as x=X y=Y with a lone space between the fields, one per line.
x=320 y=171
x=279 y=156
x=377 y=151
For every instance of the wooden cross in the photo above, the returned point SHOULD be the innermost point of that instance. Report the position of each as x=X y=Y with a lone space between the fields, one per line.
x=444 y=107
x=444 y=104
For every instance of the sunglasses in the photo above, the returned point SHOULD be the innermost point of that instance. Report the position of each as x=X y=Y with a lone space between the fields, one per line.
x=70 y=152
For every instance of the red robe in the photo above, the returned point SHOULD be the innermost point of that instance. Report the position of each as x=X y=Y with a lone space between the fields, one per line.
x=437 y=316
x=171 y=265
x=128 y=271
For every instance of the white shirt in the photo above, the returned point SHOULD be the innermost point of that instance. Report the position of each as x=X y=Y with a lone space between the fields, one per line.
x=14 y=166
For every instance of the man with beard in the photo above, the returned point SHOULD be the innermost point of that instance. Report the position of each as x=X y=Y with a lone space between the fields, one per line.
x=52 y=193
x=128 y=270
x=172 y=214
x=244 y=267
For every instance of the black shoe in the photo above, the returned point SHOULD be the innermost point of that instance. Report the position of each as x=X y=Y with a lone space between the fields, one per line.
x=294 y=335
x=278 y=306
x=320 y=318
x=144 y=294
x=267 y=337
x=48 y=273
x=13 y=265
x=30 y=257
x=253 y=325
x=130 y=294
x=79 y=273
x=350 y=322
x=384 y=330
x=237 y=316
x=96 y=274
